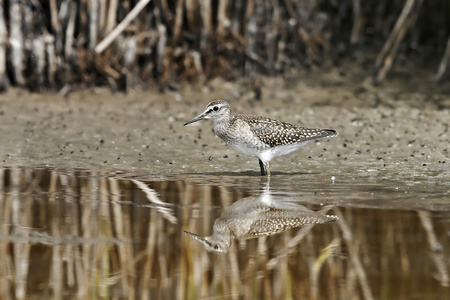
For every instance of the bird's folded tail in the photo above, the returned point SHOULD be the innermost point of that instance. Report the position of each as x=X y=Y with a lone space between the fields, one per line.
x=328 y=133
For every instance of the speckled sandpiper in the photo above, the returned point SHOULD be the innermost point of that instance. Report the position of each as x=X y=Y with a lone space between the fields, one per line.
x=258 y=216
x=258 y=136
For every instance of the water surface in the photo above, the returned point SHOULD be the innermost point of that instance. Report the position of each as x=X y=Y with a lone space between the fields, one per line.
x=68 y=234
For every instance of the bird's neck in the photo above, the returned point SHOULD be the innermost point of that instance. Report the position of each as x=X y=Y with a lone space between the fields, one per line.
x=222 y=124
x=222 y=231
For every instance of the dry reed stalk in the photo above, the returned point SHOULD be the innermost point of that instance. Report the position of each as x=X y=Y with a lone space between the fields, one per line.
x=351 y=279
x=161 y=53
x=57 y=17
x=100 y=225
x=157 y=221
x=312 y=42
x=6 y=265
x=206 y=28
x=119 y=28
x=112 y=14
x=51 y=58
x=70 y=251
x=56 y=271
x=406 y=20
x=16 y=41
x=164 y=269
x=445 y=61
x=103 y=257
x=3 y=57
x=68 y=257
x=403 y=252
x=325 y=254
x=54 y=15
x=150 y=250
x=250 y=41
x=265 y=281
x=39 y=58
x=358 y=22
x=70 y=31
x=201 y=262
x=310 y=259
x=103 y=272
x=93 y=25
x=198 y=65
x=353 y=254
x=436 y=248
x=2 y=182
x=88 y=194
x=186 y=197
x=130 y=44
x=22 y=223
x=83 y=18
x=122 y=229
x=335 y=266
x=178 y=21
x=222 y=270
x=80 y=280
x=233 y=265
x=14 y=220
x=223 y=21
x=237 y=16
x=249 y=271
x=102 y=16
x=206 y=203
x=272 y=45
x=165 y=12
x=192 y=7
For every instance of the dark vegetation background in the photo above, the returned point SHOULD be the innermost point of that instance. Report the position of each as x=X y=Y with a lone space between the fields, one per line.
x=60 y=44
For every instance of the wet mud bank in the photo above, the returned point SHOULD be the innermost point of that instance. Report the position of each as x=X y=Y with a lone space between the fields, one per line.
x=399 y=128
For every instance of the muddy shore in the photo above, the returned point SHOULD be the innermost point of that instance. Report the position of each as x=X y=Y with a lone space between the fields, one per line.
x=398 y=127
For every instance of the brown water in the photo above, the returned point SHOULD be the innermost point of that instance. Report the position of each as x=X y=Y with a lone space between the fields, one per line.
x=78 y=234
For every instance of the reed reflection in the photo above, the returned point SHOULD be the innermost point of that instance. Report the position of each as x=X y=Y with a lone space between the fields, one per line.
x=263 y=215
x=84 y=235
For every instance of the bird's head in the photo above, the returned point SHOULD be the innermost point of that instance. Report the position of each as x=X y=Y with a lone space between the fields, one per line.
x=214 y=110
x=213 y=243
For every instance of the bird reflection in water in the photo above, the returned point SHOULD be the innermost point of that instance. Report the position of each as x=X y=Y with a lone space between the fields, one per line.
x=254 y=217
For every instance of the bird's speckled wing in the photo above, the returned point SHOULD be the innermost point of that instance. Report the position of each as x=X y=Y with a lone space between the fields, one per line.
x=269 y=221
x=277 y=133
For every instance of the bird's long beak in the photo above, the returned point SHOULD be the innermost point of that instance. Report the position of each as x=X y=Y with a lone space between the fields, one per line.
x=196 y=237
x=197 y=118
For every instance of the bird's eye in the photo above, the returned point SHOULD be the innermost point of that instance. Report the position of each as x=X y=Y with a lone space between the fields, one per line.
x=215 y=246
x=216 y=108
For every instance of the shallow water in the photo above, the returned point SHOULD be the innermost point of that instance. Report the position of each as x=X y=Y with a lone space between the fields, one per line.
x=69 y=234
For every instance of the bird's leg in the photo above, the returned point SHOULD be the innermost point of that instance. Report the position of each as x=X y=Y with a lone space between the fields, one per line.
x=267 y=169
x=261 y=166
